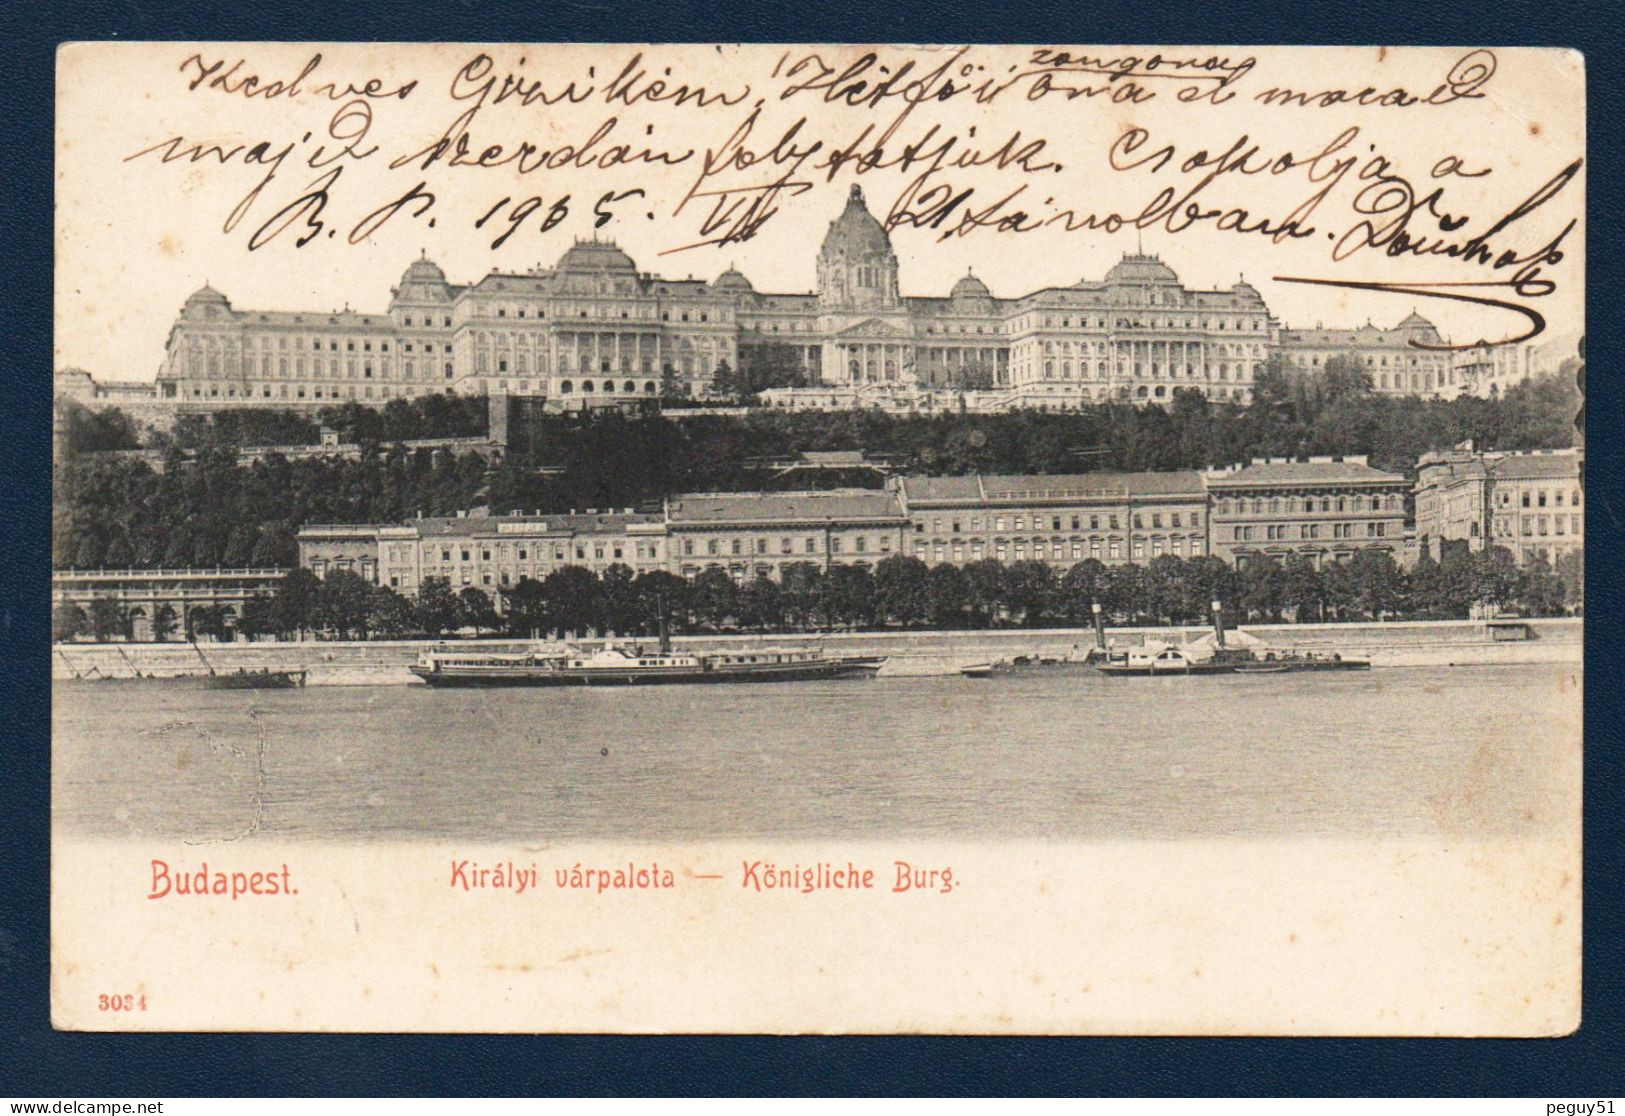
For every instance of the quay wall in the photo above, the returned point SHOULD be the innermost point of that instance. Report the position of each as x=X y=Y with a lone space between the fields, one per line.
x=1408 y=643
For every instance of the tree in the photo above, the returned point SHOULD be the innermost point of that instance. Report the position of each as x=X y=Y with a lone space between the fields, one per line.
x=1126 y=592
x=1167 y=596
x=294 y=605
x=763 y=367
x=800 y=589
x=1540 y=592
x=1376 y=583
x=1081 y=587
x=525 y=608
x=947 y=596
x=1030 y=592
x=258 y=618
x=902 y=590
x=662 y=595
x=437 y=610
x=1345 y=376
x=240 y=542
x=88 y=431
x=68 y=620
x=573 y=595
x=341 y=603
x=988 y=588
x=759 y=604
x=847 y=596
x=618 y=599
x=714 y=597
x=475 y=610
x=1427 y=590
x=389 y=614
x=1570 y=569
x=164 y=622
x=1303 y=589
x=209 y=621
x=107 y=619
x=1263 y=590
x=1492 y=578
x=1207 y=580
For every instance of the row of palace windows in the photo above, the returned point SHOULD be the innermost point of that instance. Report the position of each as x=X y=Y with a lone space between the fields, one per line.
x=1052 y=522
x=1278 y=532
x=788 y=545
x=1058 y=550
x=1139 y=370
x=1277 y=505
x=1101 y=347
x=607 y=387
x=1235 y=324
x=1538 y=498
x=1537 y=525
x=299 y=391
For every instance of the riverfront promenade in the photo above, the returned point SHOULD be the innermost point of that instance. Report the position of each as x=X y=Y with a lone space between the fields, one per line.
x=381 y=662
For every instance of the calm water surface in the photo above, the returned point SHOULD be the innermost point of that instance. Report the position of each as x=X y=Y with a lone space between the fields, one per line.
x=1479 y=751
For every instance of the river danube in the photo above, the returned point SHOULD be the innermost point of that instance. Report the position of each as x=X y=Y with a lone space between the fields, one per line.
x=1480 y=751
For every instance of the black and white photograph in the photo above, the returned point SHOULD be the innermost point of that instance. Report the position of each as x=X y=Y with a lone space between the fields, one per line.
x=706 y=538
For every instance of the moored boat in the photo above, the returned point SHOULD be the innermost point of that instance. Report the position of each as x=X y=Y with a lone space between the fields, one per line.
x=255 y=680
x=1172 y=660
x=618 y=666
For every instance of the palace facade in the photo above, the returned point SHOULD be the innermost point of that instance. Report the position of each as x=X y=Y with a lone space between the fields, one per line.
x=595 y=331
x=1323 y=508
x=1536 y=502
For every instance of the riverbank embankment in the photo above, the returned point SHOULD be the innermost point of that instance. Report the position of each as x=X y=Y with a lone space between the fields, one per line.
x=384 y=662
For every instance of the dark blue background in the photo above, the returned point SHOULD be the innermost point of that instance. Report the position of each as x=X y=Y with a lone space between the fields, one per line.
x=34 y=1061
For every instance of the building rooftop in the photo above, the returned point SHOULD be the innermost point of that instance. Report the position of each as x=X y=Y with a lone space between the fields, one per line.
x=1316 y=470
x=921 y=490
x=1558 y=465
x=845 y=504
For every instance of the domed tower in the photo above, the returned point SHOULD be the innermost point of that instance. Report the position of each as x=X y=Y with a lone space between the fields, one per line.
x=422 y=286
x=971 y=296
x=206 y=302
x=1143 y=280
x=1418 y=328
x=733 y=281
x=857 y=269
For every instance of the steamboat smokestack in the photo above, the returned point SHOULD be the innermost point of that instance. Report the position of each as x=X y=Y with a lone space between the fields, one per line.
x=1218 y=622
x=1100 y=625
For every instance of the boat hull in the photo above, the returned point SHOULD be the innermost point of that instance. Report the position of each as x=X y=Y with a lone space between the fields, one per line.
x=1138 y=670
x=1299 y=665
x=656 y=676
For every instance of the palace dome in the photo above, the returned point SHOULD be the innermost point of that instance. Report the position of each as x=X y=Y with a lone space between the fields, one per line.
x=856 y=232
x=970 y=287
x=423 y=270
x=1246 y=290
x=208 y=296
x=1140 y=269
x=733 y=280
x=1416 y=321
x=596 y=256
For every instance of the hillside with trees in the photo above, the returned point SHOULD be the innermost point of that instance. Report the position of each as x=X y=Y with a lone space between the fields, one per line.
x=212 y=511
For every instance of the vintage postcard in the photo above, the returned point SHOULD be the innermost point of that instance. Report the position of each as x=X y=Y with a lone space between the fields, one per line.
x=997 y=539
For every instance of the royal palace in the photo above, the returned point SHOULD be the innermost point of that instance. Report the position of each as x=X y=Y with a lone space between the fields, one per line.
x=595 y=331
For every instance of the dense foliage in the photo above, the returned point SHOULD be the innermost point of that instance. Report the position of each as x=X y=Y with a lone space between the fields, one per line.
x=212 y=511
x=900 y=592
